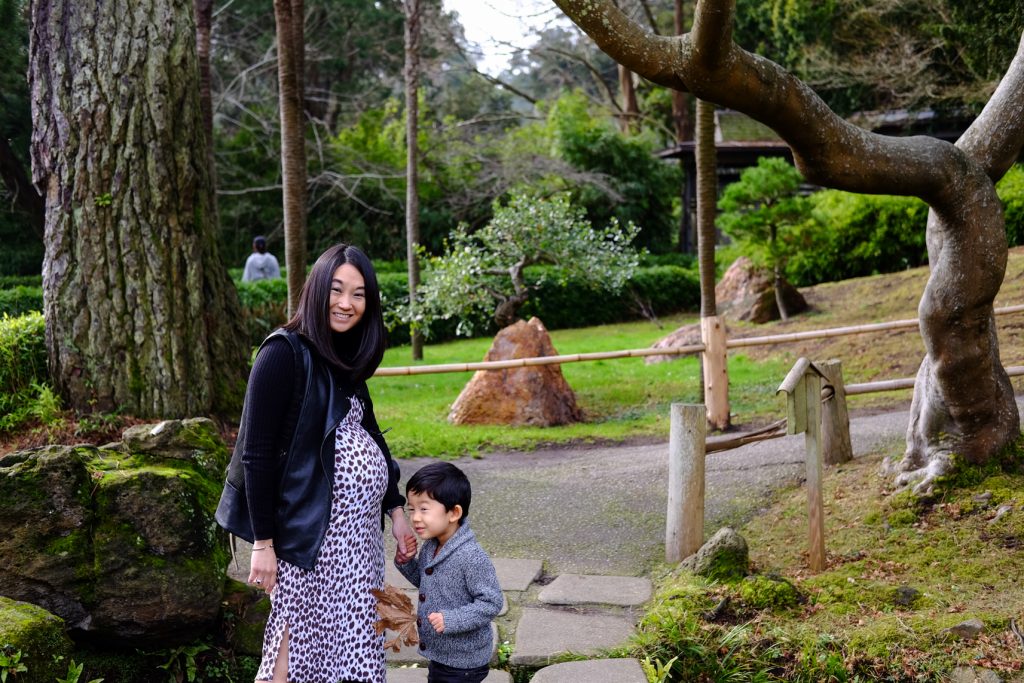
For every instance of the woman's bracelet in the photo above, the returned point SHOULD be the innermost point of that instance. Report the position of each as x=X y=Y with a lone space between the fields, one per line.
x=269 y=545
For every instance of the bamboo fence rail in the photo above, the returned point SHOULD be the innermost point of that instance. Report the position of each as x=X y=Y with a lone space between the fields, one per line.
x=670 y=351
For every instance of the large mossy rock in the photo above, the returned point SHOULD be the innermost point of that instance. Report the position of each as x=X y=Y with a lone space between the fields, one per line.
x=120 y=542
x=724 y=557
x=36 y=638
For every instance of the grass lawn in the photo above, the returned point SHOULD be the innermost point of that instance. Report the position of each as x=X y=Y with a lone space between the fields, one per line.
x=626 y=399
x=622 y=399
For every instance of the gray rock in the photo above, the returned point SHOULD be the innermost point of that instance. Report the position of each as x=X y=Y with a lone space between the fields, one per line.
x=966 y=674
x=724 y=556
x=581 y=589
x=592 y=671
x=543 y=634
x=516 y=575
x=965 y=630
x=120 y=545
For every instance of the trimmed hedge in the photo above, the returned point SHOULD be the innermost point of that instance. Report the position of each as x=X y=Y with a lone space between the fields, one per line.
x=10 y=281
x=20 y=299
x=659 y=290
x=22 y=353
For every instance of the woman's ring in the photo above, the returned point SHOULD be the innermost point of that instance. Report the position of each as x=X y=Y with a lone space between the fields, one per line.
x=259 y=580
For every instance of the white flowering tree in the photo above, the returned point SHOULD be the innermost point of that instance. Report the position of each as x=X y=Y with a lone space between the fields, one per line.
x=484 y=272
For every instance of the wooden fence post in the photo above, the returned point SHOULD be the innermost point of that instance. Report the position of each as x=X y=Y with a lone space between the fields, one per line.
x=684 y=523
x=815 y=504
x=835 y=420
x=716 y=373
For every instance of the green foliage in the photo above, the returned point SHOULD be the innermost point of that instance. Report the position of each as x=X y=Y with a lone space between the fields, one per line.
x=11 y=281
x=264 y=305
x=641 y=188
x=74 y=674
x=852 y=235
x=10 y=663
x=1011 y=192
x=483 y=271
x=760 y=206
x=19 y=300
x=22 y=352
x=181 y=662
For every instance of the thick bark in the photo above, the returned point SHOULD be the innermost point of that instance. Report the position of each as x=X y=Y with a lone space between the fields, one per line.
x=413 y=20
x=963 y=403
x=290 y=50
x=140 y=313
x=26 y=198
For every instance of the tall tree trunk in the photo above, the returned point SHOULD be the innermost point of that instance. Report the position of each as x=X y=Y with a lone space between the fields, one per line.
x=630 y=109
x=13 y=176
x=204 y=23
x=780 y=300
x=683 y=126
x=140 y=313
x=963 y=402
x=413 y=18
x=707 y=198
x=290 y=49
x=713 y=360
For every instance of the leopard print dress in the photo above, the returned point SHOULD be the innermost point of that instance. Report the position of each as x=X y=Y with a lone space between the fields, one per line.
x=329 y=611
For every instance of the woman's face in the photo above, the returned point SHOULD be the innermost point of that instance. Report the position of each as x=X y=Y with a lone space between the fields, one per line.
x=348 y=298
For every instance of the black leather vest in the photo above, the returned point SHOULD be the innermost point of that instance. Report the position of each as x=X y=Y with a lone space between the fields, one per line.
x=303 y=503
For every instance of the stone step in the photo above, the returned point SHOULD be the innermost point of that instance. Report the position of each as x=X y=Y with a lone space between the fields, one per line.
x=582 y=589
x=419 y=675
x=592 y=671
x=543 y=634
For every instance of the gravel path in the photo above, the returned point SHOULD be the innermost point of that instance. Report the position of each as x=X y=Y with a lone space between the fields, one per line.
x=602 y=510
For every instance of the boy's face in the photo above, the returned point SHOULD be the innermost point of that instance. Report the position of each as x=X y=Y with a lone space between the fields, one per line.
x=430 y=519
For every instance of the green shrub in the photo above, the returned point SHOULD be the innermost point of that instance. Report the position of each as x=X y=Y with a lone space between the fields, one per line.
x=264 y=307
x=1011 y=192
x=20 y=300
x=22 y=352
x=11 y=281
x=852 y=235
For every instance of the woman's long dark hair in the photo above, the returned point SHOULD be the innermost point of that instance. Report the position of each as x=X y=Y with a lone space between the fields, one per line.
x=358 y=351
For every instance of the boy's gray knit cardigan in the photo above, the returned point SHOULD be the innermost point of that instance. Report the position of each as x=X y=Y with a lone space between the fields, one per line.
x=461 y=584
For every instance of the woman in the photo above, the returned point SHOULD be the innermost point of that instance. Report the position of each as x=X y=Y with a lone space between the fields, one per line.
x=317 y=477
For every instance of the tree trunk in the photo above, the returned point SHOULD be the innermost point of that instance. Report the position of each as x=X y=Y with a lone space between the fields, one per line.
x=140 y=313
x=683 y=126
x=204 y=22
x=714 y=359
x=707 y=198
x=290 y=50
x=413 y=16
x=963 y=402
x=780 y=300
x=630 y=108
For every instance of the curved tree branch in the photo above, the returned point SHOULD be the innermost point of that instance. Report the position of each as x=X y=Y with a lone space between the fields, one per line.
x=996 y=137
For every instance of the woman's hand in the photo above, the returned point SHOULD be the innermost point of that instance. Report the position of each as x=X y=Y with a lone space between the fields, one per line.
x=404 y=537
x=263 y=565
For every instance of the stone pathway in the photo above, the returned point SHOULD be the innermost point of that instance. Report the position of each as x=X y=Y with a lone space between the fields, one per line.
x=549 y=617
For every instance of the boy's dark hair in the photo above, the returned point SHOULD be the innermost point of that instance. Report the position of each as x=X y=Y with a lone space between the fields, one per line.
x=445 y=483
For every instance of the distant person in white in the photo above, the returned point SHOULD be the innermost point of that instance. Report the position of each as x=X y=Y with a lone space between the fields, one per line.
x=261 y=264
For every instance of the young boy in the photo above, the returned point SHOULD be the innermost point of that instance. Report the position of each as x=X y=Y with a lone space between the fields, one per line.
x=459 y=592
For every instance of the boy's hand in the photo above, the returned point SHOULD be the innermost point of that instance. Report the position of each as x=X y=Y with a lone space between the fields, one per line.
x=405 y=550
x=436 y=620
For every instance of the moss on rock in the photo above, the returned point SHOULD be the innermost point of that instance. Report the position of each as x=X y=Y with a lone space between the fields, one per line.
x=768 y=592
x=38 y=635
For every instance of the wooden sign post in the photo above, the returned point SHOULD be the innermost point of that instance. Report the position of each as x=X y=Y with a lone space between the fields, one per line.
x=802 y=387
